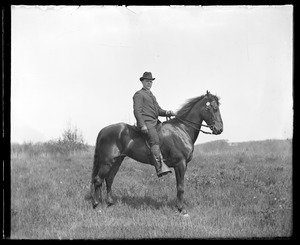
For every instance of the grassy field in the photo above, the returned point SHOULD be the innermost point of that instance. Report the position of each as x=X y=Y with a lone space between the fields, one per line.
x=231 y=191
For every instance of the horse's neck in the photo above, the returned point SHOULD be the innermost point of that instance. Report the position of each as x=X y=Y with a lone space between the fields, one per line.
x=195 y=117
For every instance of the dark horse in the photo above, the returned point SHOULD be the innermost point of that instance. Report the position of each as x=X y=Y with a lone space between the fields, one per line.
x=177 y=138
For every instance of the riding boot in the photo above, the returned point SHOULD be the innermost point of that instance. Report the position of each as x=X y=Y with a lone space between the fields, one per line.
x=160 y=167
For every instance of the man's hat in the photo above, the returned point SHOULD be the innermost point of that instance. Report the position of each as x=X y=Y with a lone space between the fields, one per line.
x=147 y=75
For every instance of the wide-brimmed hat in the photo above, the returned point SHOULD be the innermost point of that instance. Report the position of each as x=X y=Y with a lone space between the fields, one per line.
x=147 y=75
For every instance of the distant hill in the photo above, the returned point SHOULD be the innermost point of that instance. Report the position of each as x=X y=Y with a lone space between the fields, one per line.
x=26 y=134
x=265 y=146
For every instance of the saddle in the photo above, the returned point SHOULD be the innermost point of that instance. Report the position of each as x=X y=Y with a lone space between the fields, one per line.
x=137 y=129
x=144 y=136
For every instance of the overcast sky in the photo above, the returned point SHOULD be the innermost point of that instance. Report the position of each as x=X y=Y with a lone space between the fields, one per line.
x=81 y=66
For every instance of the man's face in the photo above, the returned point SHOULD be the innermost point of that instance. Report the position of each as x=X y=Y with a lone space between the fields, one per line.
x=147 y=84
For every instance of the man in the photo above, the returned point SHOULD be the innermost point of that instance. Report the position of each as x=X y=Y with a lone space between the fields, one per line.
x=146 y=111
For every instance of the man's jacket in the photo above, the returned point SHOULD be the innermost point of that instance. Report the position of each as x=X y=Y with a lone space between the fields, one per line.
x=146 y=109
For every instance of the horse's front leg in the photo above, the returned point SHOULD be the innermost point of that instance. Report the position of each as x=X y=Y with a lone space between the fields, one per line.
x=179 y=172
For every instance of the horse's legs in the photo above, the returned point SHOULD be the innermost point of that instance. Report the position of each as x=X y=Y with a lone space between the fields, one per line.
x=110 y=178
x=179 y=172
x=96 y=192
x=96 y=183
x=98 y=174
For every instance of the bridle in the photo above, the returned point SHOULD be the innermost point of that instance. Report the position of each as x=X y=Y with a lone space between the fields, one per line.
x=198 y=125
x=189 y=123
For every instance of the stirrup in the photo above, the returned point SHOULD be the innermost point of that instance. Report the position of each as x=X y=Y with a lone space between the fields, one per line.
x=164 y=170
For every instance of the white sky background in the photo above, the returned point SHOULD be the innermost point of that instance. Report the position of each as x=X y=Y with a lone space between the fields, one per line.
x=81 y=66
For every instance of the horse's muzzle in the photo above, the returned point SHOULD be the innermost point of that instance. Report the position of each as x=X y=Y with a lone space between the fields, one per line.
x=215 y=130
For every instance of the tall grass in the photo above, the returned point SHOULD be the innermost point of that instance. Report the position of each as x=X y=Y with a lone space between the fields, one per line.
x=242 y=190
x=70 y=142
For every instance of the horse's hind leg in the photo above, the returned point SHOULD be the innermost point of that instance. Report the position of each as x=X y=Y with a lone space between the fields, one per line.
x=96 y=192
x=110 y=178
x=96 y=185
x=98 y=175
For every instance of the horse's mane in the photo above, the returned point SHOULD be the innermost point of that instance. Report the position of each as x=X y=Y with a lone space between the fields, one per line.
x=191 y=102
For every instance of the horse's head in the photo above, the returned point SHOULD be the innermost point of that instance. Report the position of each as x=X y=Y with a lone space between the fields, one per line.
x=211 y=113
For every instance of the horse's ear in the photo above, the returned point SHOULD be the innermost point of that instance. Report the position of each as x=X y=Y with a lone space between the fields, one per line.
x=207 y=93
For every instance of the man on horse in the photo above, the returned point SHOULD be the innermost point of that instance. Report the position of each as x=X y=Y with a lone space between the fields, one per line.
x=146 y=112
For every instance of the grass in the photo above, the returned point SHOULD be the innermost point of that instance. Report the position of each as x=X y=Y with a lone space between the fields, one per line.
x=231 y=191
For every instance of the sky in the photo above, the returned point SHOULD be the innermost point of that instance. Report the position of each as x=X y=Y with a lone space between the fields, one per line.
x=80 y=67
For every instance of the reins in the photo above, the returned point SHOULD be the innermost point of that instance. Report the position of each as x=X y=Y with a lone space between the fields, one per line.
x=187 y=122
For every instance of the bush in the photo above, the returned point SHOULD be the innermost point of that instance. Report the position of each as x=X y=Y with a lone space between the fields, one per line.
x=70 y=142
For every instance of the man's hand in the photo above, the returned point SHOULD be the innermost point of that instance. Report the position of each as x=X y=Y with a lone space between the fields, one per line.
x=144 y=129
x=170 y=113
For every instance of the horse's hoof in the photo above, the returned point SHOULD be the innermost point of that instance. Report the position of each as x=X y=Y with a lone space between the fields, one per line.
x=109 y=204
x=109 y=201
x=186 y=215
x=95 y=205
x=183 y=212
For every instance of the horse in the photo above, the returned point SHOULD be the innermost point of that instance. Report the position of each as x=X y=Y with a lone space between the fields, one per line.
x=177 y=137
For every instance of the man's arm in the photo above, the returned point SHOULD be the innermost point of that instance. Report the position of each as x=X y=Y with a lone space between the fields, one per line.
x=138 y=108
x=163 y=113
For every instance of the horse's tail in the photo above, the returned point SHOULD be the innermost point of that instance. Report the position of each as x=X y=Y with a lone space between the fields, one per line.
x=95 y=179
x=96 y=160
